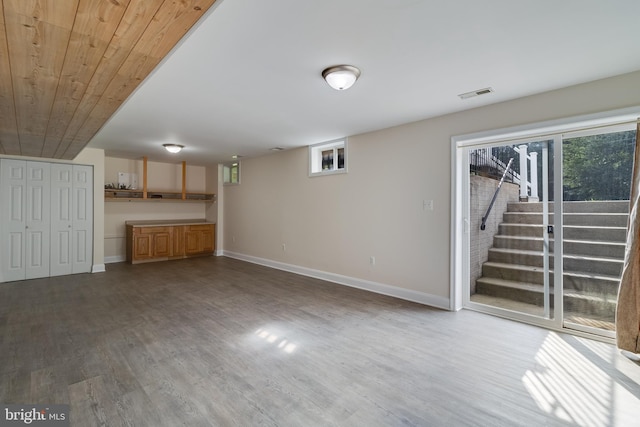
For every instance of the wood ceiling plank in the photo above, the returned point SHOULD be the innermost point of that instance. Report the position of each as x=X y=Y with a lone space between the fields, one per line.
x=9 y=142
x=135 y=21
x=38 y=32
x=95 y=24
x=168 y=26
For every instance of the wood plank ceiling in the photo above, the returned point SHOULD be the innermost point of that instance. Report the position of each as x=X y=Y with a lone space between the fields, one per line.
x=67 y=65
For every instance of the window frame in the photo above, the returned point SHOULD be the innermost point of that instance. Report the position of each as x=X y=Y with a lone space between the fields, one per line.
x=315 y=157
x=228 y=166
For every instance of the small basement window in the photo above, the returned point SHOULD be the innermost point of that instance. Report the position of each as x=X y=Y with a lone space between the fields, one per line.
x=328 y=157
x=231 y=173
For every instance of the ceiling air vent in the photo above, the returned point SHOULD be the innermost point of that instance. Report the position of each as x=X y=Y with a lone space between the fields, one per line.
x=478 y=92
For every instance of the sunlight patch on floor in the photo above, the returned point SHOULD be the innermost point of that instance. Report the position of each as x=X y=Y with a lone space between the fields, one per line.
x=567 y=384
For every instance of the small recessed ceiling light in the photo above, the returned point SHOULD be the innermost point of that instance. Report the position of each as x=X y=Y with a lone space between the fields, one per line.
x=276 y=149
x=173 y=148
x=474 y=93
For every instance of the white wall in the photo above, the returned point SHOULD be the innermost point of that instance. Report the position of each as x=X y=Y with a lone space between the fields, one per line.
x=332 y=225
x=160 y=177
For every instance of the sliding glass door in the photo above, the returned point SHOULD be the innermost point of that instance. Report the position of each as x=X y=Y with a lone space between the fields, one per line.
x=545 y=226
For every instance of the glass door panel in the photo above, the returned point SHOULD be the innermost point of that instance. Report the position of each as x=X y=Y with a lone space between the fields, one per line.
x=510 y=226
x=597 y=168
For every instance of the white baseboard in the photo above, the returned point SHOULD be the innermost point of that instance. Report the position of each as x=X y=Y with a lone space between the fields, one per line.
x=98 y=268
x=112 y=259
x=379 y=288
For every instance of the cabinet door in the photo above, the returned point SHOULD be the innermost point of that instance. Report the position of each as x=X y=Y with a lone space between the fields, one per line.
x=199 y=239
x=178 y=241
x=141 y=245
x=208 y=239
x=192 y=242
x=13 y=183
x=38 y=224
x=61 y=222
x=161 y=245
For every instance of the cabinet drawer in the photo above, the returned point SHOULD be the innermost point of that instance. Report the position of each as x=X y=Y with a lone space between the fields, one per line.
x=151 y=230
x=201 y=227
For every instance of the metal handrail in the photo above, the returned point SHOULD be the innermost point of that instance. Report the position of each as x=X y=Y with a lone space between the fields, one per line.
x=495 y=196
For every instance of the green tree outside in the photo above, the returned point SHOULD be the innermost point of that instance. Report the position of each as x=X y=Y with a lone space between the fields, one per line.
x=598 y=167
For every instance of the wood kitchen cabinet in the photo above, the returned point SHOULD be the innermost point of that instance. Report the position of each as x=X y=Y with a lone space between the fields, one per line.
x=163 y=240
x=198 y=239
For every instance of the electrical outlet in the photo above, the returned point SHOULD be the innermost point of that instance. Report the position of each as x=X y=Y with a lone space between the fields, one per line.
x=233 y=239
x=427 y=205
x=284 y=247
x=372 y=260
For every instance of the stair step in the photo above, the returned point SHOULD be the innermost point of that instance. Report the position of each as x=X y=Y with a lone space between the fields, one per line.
x=572 y=232
x=583 y=281
x=601 y=305
x=586 y=219
x=607 y=234
x=574 y=247
x=588 y=264
x=595 y=248
x=605 y=206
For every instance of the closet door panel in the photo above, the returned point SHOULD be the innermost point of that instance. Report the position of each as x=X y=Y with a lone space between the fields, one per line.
x=37 y=230
x=61 y=219
x=13 y=182
x=82 y=219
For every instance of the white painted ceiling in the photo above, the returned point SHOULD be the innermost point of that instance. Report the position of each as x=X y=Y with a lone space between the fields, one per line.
x=247 y=77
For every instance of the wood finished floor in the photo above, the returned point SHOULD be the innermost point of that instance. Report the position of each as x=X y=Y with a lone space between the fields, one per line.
x=220 y=342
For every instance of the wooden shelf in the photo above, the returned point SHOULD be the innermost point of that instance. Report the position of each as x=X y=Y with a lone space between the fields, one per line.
x=144 y=195
x=115 y=195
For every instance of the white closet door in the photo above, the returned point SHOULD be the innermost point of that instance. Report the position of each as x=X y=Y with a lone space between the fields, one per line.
x=82 y=219
x=13 y=183
x=61 y=221
x=37 y=230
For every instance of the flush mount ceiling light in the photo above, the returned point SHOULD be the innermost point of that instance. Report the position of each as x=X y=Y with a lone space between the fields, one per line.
x=173 y=148
x=341 y=77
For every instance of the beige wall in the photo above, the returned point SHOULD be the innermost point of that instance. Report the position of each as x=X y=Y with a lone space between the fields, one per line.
x=212 y=210
x=334 y=224
x=161 y=177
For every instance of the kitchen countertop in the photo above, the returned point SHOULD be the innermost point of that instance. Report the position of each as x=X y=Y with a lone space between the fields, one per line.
x=167 y=222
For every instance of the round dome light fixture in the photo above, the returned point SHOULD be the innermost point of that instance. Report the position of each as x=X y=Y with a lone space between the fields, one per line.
x=341 y=77
x=173 y=148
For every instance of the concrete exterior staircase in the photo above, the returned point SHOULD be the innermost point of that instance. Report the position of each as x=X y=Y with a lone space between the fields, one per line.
x=594 y=244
